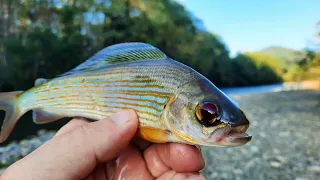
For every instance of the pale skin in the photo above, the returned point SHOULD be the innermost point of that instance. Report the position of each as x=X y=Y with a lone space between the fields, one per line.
x=104 y=150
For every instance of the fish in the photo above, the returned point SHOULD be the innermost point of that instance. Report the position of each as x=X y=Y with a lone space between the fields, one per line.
x=174 y=102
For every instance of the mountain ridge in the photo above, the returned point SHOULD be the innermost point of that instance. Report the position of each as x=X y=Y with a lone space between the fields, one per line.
x=287 y=55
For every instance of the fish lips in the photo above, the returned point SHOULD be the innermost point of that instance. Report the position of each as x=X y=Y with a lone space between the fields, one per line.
x=236 y=136
x=232 y=135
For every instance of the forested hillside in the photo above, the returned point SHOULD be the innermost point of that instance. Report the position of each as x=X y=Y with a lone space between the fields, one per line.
x=296 y=64
x=288 y=56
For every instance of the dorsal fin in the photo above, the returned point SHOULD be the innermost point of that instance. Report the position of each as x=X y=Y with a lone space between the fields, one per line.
x=119 y=53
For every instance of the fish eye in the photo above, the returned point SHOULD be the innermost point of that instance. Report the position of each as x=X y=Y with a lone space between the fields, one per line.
x=207 y=113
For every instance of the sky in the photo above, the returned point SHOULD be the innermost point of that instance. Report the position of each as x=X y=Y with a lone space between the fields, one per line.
x=253 y=25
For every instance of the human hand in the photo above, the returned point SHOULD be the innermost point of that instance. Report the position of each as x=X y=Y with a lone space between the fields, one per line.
x=106 y=150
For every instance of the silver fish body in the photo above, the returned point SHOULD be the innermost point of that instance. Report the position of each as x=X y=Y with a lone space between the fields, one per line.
x=165 y=93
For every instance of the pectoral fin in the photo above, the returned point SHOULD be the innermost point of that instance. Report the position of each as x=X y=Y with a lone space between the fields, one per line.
x=154 y=135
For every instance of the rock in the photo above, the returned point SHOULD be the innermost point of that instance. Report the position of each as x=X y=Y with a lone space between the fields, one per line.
x=300 y=178
x=213 y=175
x=250 y=164
x=276 y=151
x=263 y=134
x=282 y=159
x=315 y=169
x=238 y=171
x=275 y=123
x=284 y=134
x=275 y=164
x=254 y=149
x=225 y=176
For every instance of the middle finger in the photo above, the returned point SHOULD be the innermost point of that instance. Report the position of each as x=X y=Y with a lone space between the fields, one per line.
x=129 y=165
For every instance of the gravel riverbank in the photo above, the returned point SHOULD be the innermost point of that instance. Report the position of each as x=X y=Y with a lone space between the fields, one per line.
x=285 y=145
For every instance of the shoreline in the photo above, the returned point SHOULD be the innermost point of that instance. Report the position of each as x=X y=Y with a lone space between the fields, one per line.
x=280 y=87
x=306 y=85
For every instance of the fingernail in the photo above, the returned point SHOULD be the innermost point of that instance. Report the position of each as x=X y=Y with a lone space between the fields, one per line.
x=121 y=117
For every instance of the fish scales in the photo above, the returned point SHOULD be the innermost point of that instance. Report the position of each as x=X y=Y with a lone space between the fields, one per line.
x=146 y=88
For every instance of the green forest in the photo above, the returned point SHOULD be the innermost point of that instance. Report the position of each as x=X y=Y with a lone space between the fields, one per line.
x=45 y=38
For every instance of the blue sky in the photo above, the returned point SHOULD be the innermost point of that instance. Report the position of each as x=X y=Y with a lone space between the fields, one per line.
x=254 y=25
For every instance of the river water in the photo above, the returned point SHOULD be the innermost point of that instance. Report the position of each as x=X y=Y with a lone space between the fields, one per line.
x=261 y=89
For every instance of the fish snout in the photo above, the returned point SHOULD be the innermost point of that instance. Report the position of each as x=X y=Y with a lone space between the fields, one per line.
x=234 y=134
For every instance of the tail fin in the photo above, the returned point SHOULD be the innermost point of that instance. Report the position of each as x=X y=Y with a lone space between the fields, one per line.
x=9 y=105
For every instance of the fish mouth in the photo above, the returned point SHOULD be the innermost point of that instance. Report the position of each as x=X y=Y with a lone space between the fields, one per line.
x=233 y=134
x=236 y=136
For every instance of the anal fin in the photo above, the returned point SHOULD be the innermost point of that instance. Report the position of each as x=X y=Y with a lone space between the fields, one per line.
x=40 y=116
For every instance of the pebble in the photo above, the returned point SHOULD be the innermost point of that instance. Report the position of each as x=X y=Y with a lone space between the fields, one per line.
x=275 y=123
x=284 y=134
x=315 y=169
x=254 y=149
x=282 y=159
x=263 y=134
x=250 y=164
x=238 y=171
x=276 y=151
x=213 y=175
x=300 y=178
x=275 y=164
x=224 y=176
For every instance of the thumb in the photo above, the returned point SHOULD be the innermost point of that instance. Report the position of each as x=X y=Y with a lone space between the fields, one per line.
x=75 y=154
